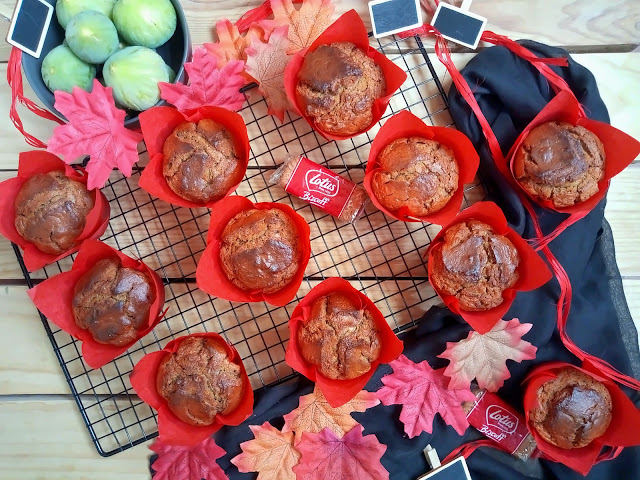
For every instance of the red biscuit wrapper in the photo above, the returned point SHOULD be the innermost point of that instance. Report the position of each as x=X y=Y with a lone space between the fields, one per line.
x=622 y=432
x=404 y=125
x=339 y=392
x=533 y=271
x=172 y=430
x=54 y=298
x=158 y=123
x=210 y=276
x=620 y=148
x=348 y=28
x=32 y=163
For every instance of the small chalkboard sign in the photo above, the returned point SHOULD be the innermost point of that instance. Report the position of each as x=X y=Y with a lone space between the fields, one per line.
x=459 y=25
x=454 y=470
x=394 y=16
x=29 y=25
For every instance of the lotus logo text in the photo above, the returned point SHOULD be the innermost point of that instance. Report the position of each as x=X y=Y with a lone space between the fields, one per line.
x=498 y=417
x=321 y=182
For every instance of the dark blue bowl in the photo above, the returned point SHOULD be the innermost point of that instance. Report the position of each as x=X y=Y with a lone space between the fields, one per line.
x=175 y=53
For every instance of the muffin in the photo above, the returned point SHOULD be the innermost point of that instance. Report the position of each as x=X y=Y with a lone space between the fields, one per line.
x=112 y=302
x=573 y=409
x=339 y=338
x=259 y=250
x=416 y=173
x=51 y=211
x=337 y=86
x=200 y=161
x=199 y=381
x=561 y=163
x=475 y=265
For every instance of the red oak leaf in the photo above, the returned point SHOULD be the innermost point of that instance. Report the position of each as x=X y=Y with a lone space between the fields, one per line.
x=423 y=392
x=96 y=128
x=484 y=356
x=208 y=85
x=188 y=463
x=231 y=44
x=352 y=457
x=271 y=454
x=306 y=24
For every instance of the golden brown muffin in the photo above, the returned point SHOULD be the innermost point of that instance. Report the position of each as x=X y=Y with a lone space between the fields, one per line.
x=339 y=338
x=573 y=410
x=199 y=381
x=416 y=173
x=337 y=86
x=113 y=302
x=200 y=161
x=51 y=211
x=259 y=250
x=475 y=265
x=561 y=163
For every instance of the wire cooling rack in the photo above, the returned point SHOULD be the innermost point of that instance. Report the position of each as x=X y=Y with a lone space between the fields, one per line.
x=379 y=256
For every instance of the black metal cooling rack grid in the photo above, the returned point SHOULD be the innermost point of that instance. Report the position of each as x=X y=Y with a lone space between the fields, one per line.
x=380 y=256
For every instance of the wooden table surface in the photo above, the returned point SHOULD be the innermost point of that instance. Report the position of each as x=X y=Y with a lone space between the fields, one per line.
x=41 y=432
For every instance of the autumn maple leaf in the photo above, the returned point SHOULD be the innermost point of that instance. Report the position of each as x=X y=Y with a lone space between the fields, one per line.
x=231 y=44
x=423 y=392
x=96 y=128
x=484 y=356
x=306 y=24
x=271 y=453
x=188 y=463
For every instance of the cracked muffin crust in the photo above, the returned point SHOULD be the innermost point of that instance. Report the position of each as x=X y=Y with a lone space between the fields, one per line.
x=340 y=339
x=200 y=162
x=475 y=265
x=561 y=163
x=112 y=302
x=573 y=410
x=416 y=173
x=51 y=211
x=337 y=86
x=199 y=381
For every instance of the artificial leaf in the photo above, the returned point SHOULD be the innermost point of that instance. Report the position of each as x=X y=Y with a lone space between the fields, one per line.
x=188 y=463
x=314 y=414
x=231 y=44
x=96 y=128
x=306 y=24
x=271 y=453
x=423 y=392
x=484 y=356
x=352 y=457
x=208 y=85
x=266 y=63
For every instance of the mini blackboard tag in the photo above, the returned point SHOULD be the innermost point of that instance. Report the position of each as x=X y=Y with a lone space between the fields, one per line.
x=454 y=470
x=394 y=16
x=29 y=25
x=459 y=25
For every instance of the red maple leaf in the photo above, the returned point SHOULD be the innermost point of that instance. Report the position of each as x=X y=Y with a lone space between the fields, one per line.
x=352 y=457
x=423 y=392
x=188 y=463
x=208 y=85
x=305 y=24
x=484 y=356
x=231 y=44
x=96 y=128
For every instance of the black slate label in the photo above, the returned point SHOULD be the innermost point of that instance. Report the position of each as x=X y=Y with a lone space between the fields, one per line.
x=394 y=16
x=457 y=25
x=29 y=25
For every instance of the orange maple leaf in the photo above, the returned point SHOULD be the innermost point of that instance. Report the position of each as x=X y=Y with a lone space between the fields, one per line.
x=306 y=24
x=232 y=44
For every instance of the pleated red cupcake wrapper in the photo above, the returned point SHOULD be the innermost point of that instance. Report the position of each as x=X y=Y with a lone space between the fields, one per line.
x=32 y=163
x=622 y=432
x=404 y=125
x=532 y=270
x=348 y=28
x=210 y=276
x=171 y=429
x=54 y=298
x=158 y=123
x=339 y=392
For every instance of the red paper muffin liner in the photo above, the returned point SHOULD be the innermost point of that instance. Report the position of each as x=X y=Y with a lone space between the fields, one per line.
x=404 y=125
x=171 y=429
x=339 y=392
x=32 y=163
x=54 y=298
x=158 y=123
x=622 y=432
x=620 y=149
x=210 y=276
x=533 y=271
x=348 y=28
